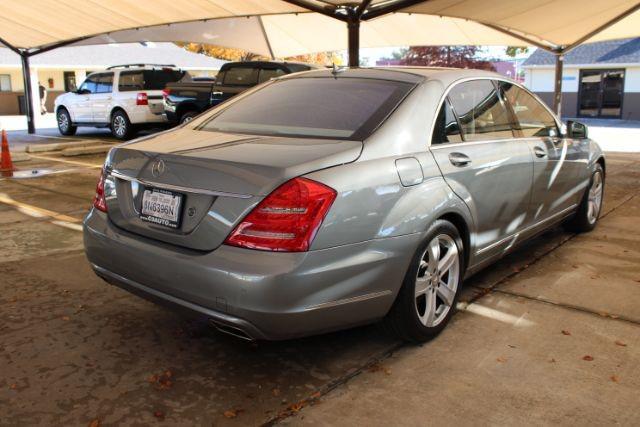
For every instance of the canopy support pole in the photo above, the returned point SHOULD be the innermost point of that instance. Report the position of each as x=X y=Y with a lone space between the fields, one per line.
x=353 y=27
x=557 y=91
x=28 y=96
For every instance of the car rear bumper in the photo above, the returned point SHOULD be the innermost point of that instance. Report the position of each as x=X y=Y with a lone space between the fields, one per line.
x=256 y=294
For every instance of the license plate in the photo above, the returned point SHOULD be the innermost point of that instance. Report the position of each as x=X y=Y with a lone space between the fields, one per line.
x=161 y=207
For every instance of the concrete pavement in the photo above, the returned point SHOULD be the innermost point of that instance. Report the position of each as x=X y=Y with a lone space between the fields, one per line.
x=75 y=350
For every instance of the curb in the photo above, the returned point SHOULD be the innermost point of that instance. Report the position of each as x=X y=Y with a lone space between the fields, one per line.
x=79 y=151
x=60 y=146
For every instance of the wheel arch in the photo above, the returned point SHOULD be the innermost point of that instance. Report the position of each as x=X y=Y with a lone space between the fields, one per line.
x=115 y=109
x=186 y=107
x=460 y=223
x=602 y=163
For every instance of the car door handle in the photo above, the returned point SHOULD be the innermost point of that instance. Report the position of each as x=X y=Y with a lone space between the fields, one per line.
x=459 y=159
x=539 y=152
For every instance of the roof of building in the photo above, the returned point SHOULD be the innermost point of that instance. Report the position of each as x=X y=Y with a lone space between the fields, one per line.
x=102 y=56
x=625 y=51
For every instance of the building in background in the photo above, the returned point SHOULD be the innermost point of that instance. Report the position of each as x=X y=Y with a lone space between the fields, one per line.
x=600 y=79
x=63 y=69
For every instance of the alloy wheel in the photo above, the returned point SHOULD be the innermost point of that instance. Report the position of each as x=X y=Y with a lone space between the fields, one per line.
x=437 y=280
x=119 y=125
x=595 y=197
x=63 y=122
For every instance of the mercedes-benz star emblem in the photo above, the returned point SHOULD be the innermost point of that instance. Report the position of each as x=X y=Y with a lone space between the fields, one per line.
x=158 y=168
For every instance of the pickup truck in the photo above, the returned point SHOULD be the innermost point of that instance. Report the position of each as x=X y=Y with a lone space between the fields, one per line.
x=185 y=99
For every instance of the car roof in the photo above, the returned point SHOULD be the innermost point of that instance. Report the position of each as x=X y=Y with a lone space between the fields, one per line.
x=403 y=74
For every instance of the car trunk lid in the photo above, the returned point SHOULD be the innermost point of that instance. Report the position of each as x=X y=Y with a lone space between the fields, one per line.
x=218 y=177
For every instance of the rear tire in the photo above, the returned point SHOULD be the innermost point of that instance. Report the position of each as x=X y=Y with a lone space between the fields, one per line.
x=586 y=217
x=65 y=126
x=188 y=116
x=121 y=127
x=427 y=299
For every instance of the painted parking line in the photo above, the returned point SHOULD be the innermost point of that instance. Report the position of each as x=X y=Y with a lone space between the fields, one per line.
x=56 y=218
x=70 y=162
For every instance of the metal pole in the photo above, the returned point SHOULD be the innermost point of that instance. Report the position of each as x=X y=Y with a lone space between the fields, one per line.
x=28 y=96
x=557 y=91
x=353 y=27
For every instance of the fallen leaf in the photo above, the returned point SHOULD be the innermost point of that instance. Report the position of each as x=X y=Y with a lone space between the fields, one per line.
x=512 y=346
x=377 y=367
x=501 y=359
x=315 y=395
x=615 y=378
x=231 y=413
x=620 y=343
x=276 y=391
x=159 y=415
x=574 y=266
x=587 y=358
x=565 y=332
x=552 y=360
x=95 y=423
x=295 y=407
x=162 y=381
x=13 y=386
x=65 y=318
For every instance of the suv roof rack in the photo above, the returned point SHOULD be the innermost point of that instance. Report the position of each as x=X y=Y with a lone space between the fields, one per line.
x=141 y=65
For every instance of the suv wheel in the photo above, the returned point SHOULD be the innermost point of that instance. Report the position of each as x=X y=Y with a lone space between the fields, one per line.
x=121 y=127
x=64 y=122
x=188 y=116
x=429 y=293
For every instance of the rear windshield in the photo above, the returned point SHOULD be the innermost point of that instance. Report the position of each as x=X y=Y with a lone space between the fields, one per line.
x=341 y=108
x=148 y=79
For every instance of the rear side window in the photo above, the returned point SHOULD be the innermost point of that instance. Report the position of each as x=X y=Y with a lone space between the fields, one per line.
x=480 y=110
x=148 y=79
x=241 y=76
x=446 y=128
x=342 y=108
x=534 y=120
x=104 y=82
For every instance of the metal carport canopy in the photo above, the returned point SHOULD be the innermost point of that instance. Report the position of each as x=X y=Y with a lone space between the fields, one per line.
x=288 y=27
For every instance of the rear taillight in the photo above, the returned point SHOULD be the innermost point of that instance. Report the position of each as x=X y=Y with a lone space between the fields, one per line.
x=166 y=92
x=287 y=220
x=99 y=201
x=142 y=99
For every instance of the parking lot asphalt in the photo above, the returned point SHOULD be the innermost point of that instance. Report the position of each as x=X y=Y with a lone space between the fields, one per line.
x=550 y=334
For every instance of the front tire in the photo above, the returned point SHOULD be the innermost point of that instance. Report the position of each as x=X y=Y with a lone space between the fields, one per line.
x=65 y=126
x=588 y=212
x=427 y=300
x=188 y=116
x=121 y=127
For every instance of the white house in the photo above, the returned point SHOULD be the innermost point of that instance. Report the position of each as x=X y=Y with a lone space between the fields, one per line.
x=61 y=70
x=599 y=80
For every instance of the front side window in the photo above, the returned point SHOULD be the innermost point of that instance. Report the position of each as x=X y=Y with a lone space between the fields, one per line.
x=104 y=83
x=446 y=127
x=241 y=76
x=480 y=110
x=342 y=108
x=534 y=120
x=89 y=85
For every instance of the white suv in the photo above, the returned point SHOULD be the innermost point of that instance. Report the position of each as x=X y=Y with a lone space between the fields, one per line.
x=123 y=97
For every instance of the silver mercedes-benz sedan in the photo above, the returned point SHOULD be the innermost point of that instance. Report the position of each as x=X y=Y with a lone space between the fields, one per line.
x=334 y=198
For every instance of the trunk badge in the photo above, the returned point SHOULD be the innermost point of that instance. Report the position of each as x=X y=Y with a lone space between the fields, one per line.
x=158 y=168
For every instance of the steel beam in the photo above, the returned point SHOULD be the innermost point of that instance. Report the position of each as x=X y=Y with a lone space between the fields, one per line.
x=353 y=30
x=557 y=90
x=28 y=96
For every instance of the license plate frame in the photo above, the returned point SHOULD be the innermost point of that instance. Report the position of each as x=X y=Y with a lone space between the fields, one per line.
x=161 y=207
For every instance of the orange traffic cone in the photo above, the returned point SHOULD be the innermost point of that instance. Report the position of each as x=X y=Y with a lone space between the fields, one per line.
x=6 y=165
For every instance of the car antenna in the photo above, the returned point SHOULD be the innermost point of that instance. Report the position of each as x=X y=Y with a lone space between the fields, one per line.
x=335 y=70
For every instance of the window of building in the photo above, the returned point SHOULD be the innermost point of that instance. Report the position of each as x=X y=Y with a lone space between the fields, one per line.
x=5 y=83
x=480 y=110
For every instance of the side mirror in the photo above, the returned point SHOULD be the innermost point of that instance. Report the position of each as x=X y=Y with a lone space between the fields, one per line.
x=577 y=130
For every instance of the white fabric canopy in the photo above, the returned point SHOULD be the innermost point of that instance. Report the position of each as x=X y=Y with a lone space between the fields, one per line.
x=278 y=26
